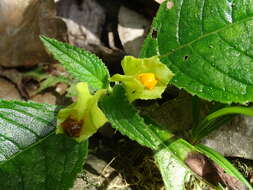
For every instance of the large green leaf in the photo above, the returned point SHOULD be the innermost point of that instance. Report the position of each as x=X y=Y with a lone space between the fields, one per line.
x=52 y=164
x=22 y=125
x=82 y=65
x=208 y=46
x=32 y=157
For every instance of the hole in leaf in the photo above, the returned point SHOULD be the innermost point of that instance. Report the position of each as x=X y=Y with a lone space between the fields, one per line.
x=186 y=57
x=79 y=5
x=170 y=4
x=160 y=1
x=154 y=34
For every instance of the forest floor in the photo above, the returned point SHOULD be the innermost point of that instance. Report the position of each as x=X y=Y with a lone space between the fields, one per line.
x=114 y=162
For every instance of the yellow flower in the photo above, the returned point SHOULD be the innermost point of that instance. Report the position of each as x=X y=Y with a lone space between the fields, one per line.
x=145 y=78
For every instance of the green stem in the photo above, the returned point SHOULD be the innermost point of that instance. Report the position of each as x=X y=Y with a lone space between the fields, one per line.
x=195 y=110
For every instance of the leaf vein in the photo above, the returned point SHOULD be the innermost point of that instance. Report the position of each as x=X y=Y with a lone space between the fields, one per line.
x=199 y=81
x=76 y=60
x=10 y=140
x=64 y=162
x=202 y=17
x=18 y=125
x=172 y=51
x=234 y=47
x=179 y=22
x=218 y=69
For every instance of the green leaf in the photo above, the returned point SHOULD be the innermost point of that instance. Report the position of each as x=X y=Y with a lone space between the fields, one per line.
x=22 y=125
x=82 y=65
x=208 y=46
x=47 y=80
x=51 y=165
x=174 y=180
x=31 y=156
x=170 y=152
x=124 y=117
x=52 y=81
x=216 y=119
x=224 y=163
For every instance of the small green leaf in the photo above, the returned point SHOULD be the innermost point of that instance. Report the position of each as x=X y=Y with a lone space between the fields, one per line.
x=82 y=65
x=31 y=156
x=208 y=46
x=46 y=80
x=144 y=78
x=223 y=163
x=216 y=119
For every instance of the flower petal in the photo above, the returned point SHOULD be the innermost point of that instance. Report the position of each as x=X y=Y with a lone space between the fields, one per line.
x=81 y=119
x=94 y=118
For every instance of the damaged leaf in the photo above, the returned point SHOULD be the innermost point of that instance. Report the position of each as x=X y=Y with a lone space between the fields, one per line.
x=208 y=46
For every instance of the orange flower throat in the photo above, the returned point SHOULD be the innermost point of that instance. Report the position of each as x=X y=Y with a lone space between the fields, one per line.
x=148 y=80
